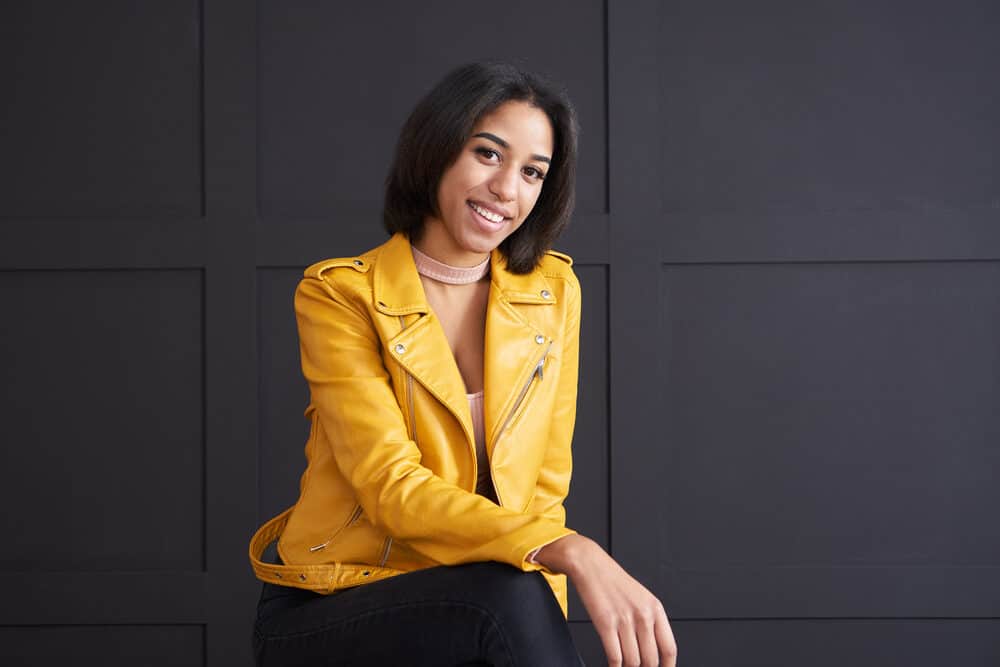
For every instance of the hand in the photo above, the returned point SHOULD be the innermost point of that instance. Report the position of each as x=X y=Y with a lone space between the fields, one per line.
x=630 y=620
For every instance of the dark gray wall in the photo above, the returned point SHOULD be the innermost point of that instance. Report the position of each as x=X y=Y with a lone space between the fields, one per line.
x=788 y=236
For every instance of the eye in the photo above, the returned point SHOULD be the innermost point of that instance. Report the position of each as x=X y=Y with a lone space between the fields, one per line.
x=534 y=173
x=488 y=153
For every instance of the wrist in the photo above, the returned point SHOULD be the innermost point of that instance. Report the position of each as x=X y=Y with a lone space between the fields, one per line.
x=563 y=555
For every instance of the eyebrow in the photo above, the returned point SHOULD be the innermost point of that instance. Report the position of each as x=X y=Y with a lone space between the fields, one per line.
x=504 y=144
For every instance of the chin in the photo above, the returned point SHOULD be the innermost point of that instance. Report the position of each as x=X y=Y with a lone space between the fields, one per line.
x=481 y=248
x=480 y=245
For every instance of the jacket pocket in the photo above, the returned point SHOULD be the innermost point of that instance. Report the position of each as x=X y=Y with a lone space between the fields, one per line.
x=529 y=392
x=351 y=520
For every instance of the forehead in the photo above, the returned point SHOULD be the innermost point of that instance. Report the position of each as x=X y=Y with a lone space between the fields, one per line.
x=524 y=127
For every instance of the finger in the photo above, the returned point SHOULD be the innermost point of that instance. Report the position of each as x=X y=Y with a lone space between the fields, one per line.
x=612 y=647
x=665 y=641
x=630 y=647
x=646 y=635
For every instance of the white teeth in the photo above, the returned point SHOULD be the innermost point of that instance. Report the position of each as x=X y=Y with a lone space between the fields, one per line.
x=492 y=217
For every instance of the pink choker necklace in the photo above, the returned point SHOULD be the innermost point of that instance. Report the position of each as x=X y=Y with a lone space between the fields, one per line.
x=445 y=273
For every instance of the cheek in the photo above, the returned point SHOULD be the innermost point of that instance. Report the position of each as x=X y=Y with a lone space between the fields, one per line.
x=451 y=199
x=530 y=200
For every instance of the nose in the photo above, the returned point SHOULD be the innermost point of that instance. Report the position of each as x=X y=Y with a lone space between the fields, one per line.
x=503 y=185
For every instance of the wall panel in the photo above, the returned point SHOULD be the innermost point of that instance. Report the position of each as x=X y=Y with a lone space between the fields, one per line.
x=829 y=130
x=102 y=116
x=826 y=105
x=868 y=390
x=103 y=420
x=283 y=392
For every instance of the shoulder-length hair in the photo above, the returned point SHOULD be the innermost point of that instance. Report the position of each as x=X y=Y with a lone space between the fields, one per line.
x=441 y=124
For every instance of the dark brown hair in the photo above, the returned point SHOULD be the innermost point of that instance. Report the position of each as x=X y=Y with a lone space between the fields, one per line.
x=440 y=125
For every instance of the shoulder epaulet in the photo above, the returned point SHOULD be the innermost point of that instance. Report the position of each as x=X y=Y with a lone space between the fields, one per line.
x=317 y=269
x=564 y=257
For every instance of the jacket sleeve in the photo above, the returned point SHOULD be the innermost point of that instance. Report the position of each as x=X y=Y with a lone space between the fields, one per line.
x=351 y=390
x=557 y=466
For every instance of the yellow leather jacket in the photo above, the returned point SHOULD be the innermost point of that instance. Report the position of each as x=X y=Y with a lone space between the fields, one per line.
x=389 y=486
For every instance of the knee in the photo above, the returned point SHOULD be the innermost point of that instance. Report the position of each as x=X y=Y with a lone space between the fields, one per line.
x=509 y=592
x=526 y=616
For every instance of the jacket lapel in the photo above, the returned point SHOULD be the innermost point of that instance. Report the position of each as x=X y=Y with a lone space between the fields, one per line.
x=420 y=347
x=515 y=340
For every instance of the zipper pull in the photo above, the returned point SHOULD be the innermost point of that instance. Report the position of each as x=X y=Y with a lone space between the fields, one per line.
x=540 y=368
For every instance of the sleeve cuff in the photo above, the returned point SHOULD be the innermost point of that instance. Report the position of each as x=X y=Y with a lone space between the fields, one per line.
x=529 y=551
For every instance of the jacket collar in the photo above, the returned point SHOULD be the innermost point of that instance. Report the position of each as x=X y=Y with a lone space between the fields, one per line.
x=396 y=284
x=398 y=290
x=519 y=288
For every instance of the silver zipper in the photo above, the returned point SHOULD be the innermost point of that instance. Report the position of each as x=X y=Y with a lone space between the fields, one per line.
x=385 y=552
x=350 y=522
x=539 y=372
x=409 y=393
x=409 y=406
x=413 y=434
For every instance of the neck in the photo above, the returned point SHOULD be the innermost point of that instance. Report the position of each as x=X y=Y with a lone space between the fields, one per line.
x=453 y=275
x=435 y=241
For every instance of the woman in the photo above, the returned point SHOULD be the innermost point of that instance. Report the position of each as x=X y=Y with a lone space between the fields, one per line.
x=442 y=366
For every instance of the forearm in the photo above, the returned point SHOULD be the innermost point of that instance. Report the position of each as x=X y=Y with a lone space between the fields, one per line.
x=568 y=555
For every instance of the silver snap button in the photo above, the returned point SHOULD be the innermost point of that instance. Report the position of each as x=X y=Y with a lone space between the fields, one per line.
x=546 y=294
x=400 y=348
x=539 y=339
x=358 y=262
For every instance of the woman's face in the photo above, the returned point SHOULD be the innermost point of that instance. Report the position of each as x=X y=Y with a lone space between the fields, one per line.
x=490 y=189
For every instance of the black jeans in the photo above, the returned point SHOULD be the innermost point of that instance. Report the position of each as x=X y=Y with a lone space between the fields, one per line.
x=473 y=614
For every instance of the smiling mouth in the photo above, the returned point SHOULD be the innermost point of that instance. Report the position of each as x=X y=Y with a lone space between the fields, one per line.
x=495 y=218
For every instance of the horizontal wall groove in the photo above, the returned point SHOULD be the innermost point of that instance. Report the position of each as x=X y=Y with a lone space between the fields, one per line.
x=106 y=598
x=859 y=260
x=300 y=242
